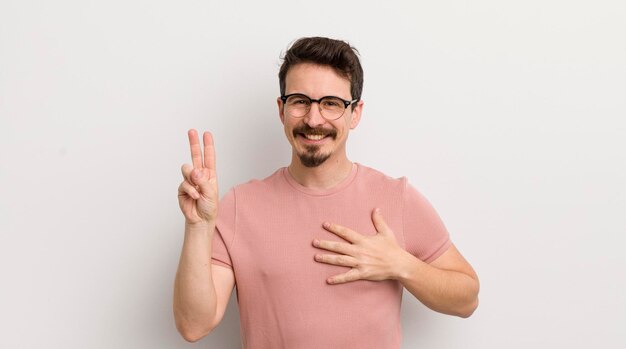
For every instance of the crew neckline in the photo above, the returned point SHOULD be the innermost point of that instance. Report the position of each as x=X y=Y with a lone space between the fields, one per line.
x=321 y=192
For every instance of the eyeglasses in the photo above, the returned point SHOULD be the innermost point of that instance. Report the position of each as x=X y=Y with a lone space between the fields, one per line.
x=298 y=105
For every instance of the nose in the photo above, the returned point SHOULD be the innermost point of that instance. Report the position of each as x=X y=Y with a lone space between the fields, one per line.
x=314 y=118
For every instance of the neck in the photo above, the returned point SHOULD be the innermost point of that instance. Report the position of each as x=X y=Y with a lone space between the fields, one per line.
x=330 y=173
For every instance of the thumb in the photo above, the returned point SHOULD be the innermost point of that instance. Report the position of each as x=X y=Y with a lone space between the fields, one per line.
x=379 y=222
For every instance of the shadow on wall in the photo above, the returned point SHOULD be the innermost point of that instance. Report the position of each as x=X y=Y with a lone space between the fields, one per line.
x=254 y=146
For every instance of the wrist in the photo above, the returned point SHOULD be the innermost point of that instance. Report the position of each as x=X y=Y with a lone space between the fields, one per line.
x=200 y=227
x=406 y=266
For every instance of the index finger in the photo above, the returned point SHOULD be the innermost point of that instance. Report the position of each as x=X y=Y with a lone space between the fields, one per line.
x=196 y=152
x=209 y=151
x=343 y=232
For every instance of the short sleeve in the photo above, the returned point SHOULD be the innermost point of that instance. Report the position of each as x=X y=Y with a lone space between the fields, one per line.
x=425 y=235
x=224 y=230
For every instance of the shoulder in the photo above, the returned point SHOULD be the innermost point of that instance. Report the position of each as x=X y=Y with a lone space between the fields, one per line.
x=374 y=179
x=257 y=187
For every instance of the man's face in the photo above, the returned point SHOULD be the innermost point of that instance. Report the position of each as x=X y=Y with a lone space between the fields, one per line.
x=317 y=81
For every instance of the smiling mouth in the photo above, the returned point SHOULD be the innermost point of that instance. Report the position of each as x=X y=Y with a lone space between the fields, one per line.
x=311 y=134
x=313 y=137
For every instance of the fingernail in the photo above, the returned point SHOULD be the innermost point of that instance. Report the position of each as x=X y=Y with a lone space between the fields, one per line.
x=377 y=210
x=326 y=225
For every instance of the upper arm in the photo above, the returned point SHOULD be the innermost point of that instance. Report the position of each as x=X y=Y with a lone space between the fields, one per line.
x=454 y=261
x=224 y=281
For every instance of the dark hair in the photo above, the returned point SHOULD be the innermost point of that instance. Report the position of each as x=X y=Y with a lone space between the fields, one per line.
x=337 y=54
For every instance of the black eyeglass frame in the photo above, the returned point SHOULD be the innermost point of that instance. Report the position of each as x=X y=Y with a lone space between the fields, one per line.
x=346 y=103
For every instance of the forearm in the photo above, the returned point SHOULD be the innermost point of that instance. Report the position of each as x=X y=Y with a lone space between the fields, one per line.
x=195 y=300
x=445 y=291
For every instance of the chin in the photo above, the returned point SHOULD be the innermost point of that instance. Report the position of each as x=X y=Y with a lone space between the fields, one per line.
x=313 y=159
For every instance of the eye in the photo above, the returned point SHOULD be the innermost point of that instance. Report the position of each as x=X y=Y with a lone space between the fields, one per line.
x=333 y=103
x=297 y=100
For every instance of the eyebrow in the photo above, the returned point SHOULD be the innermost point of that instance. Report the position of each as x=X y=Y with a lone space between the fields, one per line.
x=304 y=94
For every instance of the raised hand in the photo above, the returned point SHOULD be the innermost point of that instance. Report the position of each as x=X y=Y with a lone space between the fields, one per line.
x=197 y=194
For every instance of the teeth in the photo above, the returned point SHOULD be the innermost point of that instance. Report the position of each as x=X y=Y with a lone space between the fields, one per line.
x=314 y=137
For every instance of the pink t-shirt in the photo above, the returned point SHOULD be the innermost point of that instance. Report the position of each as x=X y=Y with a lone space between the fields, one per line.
x=265 y=230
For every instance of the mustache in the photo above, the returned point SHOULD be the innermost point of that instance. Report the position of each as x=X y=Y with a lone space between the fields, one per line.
x=306 y=129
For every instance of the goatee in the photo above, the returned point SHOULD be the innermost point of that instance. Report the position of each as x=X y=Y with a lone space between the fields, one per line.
x=311 y=158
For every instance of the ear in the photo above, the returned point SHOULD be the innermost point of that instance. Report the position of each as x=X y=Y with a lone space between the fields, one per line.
x=281 y=111
x=356 y=114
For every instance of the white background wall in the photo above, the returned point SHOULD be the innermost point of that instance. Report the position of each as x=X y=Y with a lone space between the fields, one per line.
x=508 y=116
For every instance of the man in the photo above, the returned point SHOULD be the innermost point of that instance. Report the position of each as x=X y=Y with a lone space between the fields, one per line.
x=320 y=250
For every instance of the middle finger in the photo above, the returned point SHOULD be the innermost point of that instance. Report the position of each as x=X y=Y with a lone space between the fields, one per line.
x=334 y=246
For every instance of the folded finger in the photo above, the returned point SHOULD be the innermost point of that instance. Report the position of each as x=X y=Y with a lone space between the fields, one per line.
x=186 y=171
x=186 y=188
